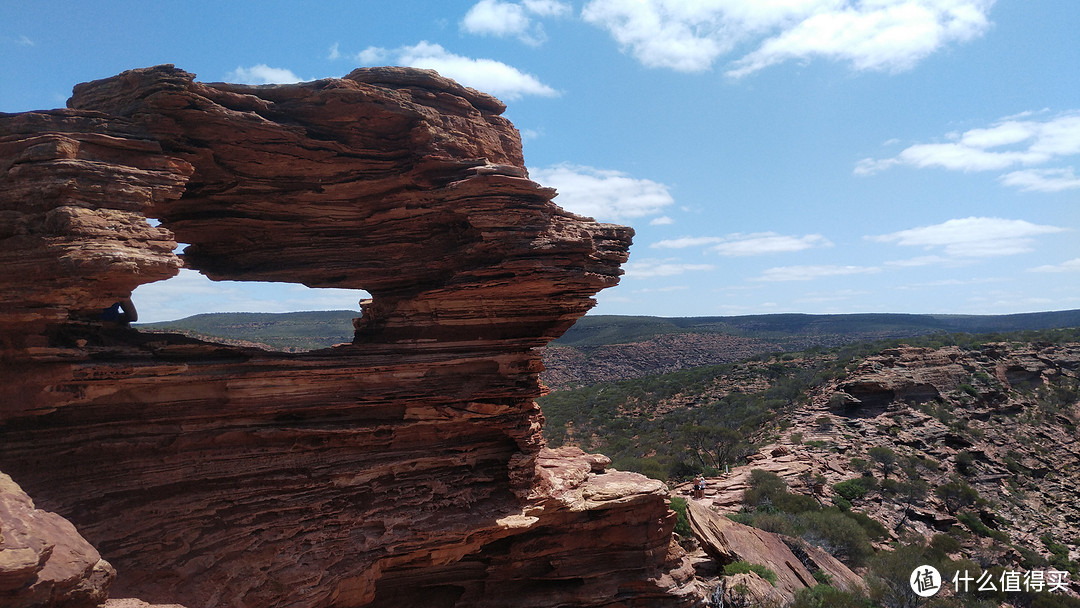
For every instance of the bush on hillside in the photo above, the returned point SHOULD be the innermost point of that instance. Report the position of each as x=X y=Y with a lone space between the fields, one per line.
x=742 y=567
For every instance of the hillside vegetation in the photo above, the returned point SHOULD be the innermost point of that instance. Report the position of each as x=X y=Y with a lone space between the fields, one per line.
x=954 y=450
x=290 y=332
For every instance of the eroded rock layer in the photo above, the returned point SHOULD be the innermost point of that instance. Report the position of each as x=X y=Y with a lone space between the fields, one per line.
x=408 y=464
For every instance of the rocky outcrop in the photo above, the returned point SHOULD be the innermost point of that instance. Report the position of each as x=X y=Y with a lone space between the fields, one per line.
x=1002 y=420
x=75 y=189
x=791 y=560
x=406 y=468
x=43 y=559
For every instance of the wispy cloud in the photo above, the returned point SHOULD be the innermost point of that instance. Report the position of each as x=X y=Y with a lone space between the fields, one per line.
x=1072 y=265
x=879 y=35
x=652 y=267
x=663 y=220
x=839 y=295
x=1042 y=180
x=811 y=273
x=24 y=41
x=923 y=260
x=663 y=289
x=758 y=243
x=1009 y=142
x=487 y=75
x=512 y=19
x=262 y=74
x=603 y=194
x=972 y=237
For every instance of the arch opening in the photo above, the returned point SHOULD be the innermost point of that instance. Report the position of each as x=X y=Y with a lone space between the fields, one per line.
x=274 y=316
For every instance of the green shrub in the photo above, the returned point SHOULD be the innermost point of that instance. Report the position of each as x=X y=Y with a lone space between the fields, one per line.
x=861 y=465
x=957 y=494
x=838 y=534
x=682 y=524
x=1047 y=600
x=977 y=526
x=965 y=462
x=826 y=596
x=1030 y=559
x=884 y=456
x=944 y=544
x=875 y=530
x=779 y=523
x=742 y=567
x=853 y=489
x=764 y=489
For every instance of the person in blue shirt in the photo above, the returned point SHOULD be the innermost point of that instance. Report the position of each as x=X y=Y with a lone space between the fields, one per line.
x=121 y=313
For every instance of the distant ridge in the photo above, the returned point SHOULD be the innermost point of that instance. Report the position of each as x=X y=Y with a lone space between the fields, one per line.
x=320 y=329
x=290 y=331
x=799 y=329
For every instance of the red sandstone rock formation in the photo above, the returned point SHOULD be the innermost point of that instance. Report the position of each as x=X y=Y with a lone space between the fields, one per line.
x=727 y=541
x=43 y=560
x=405 y=469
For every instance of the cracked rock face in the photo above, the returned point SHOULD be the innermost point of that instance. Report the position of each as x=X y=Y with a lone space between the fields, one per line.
x=409 y=464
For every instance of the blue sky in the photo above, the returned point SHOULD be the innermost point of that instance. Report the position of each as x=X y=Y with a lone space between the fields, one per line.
x=811 y=156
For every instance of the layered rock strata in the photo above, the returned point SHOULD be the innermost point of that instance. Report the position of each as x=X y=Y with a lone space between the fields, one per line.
x=404 y=469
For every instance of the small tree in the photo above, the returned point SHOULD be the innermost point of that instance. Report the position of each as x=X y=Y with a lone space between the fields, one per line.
x=956 y=495
x=909 y=493
x=885 y=457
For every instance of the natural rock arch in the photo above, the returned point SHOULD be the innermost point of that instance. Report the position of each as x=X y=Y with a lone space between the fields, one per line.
x=410 y=465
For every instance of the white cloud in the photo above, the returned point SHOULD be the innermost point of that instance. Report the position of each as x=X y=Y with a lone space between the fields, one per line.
x=653 y=267
x=972 y=237
x=925 y=260
x=663 y=220
x=810 y=273
x=262 y=74
x=24 y=41
x=335 y=52
x=1042 y=180
x=373 y=55
x=1009 y=142
x=603 y=194
x=485 y=75
x=683 y=242
x=1072 y=265
x=758 y=243
x=548 y=8
x=870 y=34
x=506 y=19
x=839 y=295
x=883 y=35
x=662 y=289
x=495 y=18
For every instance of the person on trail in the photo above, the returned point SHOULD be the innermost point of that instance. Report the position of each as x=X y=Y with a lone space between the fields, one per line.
x=121 y=313
x=699 y=486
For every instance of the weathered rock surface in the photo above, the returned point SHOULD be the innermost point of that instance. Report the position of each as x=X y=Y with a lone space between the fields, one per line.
x=405 y=469
x=74 y=190
x=1001 y=417
x=727 y=541
x=43 y=559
